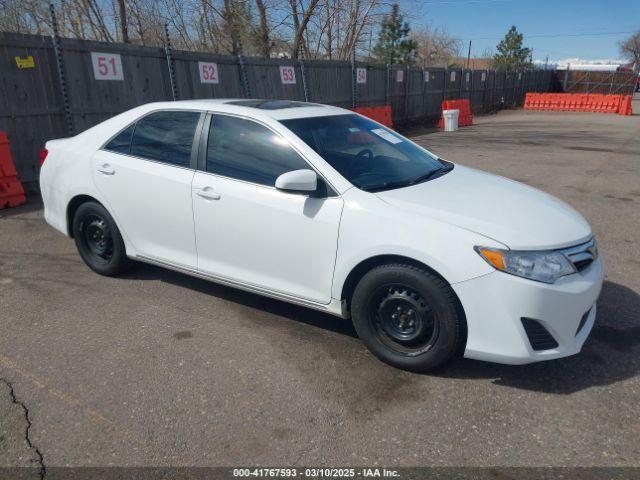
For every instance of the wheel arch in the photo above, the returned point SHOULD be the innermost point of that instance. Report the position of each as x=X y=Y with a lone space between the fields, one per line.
x=72 y=207
x=361 y=269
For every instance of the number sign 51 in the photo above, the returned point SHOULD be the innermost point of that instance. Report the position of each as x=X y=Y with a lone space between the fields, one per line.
x=106 y=66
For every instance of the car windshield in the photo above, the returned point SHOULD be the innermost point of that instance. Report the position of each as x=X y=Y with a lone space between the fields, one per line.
x=371 y=157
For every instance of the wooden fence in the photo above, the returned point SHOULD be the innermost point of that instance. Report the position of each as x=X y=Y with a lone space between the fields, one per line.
x=46 y=94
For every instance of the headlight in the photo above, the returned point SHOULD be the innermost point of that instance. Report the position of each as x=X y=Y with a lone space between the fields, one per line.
x=541 y=266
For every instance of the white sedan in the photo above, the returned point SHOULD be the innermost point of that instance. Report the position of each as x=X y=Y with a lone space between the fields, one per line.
x=321 y=207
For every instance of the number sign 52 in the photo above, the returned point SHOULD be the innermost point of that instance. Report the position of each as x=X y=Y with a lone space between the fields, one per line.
x=106 y=66
x=208 y=72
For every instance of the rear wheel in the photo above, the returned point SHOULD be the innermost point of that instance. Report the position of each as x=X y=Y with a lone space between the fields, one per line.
x=98 y=240
x=407 y=317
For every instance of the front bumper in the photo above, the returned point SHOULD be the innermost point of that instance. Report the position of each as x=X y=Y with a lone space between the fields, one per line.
x=494 y=305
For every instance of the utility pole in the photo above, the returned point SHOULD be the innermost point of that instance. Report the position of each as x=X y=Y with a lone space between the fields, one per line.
x=469 y=54
x=546 y=62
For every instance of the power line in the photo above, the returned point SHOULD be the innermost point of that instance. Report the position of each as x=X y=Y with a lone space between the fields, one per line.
x=558 y=35
x=449 y=2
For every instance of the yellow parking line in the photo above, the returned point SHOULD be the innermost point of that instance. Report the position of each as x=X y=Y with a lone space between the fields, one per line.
x=93 y=415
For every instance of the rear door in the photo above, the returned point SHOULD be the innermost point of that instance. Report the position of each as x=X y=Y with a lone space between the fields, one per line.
x=145 y=175
x=249 y=232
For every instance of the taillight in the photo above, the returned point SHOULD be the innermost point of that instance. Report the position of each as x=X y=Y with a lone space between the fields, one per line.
x=43 y=155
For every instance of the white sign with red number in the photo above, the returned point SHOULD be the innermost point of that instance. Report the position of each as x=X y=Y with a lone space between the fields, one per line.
x=361 y=75
x=208 y=72
x=426 y=76
x=400 y=76
x=484 y=76
x=287 y=75
x=453 y=76
x=106 y=66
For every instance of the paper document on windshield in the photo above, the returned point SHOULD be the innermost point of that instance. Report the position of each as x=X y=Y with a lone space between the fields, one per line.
x=389 y=137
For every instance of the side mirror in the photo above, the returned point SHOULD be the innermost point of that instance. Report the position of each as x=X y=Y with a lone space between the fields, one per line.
x=298 y=181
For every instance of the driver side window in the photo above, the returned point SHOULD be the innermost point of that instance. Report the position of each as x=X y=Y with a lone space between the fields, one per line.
x=248 y=151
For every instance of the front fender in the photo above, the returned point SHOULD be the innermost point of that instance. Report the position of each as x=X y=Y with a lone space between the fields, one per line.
x=371 y=228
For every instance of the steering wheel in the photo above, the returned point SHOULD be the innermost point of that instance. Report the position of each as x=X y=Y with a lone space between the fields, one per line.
x=356 y=159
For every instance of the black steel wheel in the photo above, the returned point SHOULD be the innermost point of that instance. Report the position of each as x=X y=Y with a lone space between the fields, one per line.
x=408 y=317
x=98 y=239
x=403 y=320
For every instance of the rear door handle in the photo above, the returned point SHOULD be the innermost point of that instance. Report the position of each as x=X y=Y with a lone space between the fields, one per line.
x=106 y=169
x=208 y=193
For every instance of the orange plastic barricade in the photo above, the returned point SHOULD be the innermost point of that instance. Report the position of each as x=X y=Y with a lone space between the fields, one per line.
x=625 y=105
x=381 y=115
x=579 y=102
x=11 y=191
x=465 y=118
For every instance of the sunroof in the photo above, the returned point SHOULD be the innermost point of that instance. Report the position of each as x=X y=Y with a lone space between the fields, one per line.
x=271 y=104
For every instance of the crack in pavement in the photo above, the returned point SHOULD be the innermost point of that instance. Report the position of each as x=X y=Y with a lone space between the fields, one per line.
x=12 y=393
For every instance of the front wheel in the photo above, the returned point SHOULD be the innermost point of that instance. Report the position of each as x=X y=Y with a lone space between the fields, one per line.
x=407 y=317
x=98 y=240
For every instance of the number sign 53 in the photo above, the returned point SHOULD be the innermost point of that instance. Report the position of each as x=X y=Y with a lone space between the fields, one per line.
x=287 y=75
x=106 y=66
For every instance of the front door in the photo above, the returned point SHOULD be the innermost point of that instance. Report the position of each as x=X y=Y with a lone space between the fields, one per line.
x=249 y=232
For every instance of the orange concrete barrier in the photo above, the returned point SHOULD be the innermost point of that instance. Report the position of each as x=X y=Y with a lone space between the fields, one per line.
x=11 y=191
x=578 y=102
x=381 y=115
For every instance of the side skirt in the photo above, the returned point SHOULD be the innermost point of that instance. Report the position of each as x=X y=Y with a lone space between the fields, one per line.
x=334 y=307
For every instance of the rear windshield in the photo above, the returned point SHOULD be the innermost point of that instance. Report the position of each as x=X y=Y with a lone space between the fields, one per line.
x=370 y=156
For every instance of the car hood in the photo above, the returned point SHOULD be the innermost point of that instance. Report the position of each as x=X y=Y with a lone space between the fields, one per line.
x=510 y=212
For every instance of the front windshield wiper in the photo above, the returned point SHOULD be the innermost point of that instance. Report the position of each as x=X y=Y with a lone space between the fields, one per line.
x=422 y=178
x=383 y=186
x=432 y=174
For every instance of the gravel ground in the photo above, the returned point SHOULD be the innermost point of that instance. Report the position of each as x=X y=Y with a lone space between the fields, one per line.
x=157 y=368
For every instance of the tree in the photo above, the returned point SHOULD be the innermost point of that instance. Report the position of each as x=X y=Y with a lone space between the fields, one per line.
x=124 y=27
x=436 y=48
x=394 y=44
x=262 y=36
x=511 y=54
x=301 y=17
x=630 y=49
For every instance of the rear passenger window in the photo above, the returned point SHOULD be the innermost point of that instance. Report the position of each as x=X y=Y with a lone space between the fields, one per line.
x=247 y=151
x=121 y=142
x=165 y=136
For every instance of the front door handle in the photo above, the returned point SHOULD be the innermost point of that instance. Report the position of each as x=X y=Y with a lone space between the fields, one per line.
x=106 y=169
x=208 y=193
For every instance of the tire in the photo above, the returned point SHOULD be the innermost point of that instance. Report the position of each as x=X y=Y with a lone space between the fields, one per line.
x=408 y=317
x=98 y=240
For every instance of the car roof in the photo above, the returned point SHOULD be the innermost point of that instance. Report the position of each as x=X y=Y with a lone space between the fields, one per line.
x=256 y=108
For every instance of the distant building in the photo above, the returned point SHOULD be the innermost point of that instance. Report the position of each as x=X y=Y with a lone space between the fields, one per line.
x=594 y=66
x=474 y=63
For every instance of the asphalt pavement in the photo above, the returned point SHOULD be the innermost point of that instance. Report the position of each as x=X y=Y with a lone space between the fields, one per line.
x=157 y=368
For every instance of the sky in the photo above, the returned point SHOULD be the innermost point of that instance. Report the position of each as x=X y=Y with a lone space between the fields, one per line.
x=561 y=29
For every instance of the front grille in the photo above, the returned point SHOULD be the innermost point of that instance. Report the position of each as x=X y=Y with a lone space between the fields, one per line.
x=539 y=337
x=582 y=255
x=583 y=320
